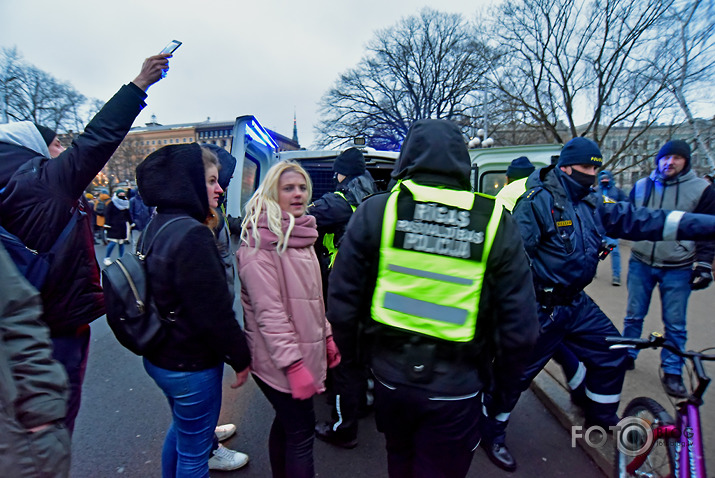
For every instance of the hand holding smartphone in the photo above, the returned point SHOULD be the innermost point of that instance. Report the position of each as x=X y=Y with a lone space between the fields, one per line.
x=170 y=48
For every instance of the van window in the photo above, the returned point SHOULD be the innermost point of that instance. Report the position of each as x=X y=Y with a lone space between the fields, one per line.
x=492 y=182
x=250 y=180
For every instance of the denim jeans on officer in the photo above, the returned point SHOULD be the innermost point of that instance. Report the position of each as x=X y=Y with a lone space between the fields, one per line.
x=615 y=258
x=674 y=293
x=195 y=402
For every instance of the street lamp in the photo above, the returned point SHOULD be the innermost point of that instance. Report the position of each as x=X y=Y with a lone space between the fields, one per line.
x=481 y=140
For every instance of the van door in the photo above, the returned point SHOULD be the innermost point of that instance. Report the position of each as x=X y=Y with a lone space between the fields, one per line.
x=255 y=152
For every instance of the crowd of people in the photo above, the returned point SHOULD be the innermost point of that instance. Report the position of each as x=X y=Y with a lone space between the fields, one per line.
x=431 y=304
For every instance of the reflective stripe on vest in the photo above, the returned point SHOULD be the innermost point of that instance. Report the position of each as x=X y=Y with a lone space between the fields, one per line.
x=434 y=294
x=329 y=239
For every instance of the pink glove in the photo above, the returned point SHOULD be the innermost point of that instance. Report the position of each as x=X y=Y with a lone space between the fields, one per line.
x=302 y=384
x=332 y=352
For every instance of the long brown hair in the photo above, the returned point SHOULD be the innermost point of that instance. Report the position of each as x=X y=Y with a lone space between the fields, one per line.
x=210 y=159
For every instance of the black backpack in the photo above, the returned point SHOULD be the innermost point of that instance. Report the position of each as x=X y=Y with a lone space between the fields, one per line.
x=131 y=312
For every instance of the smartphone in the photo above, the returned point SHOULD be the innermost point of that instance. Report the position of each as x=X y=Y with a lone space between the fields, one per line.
x=171 y=47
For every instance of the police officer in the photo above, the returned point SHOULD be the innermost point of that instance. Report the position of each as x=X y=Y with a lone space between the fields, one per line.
x=432 y=288
x=332 y=213
x=562 y=222
x=516 y=174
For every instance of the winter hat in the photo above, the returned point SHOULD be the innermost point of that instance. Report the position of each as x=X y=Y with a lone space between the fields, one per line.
x=350 y=162
x=580 y=151
x=47 y=134
x=676 y=146
x=520 y=168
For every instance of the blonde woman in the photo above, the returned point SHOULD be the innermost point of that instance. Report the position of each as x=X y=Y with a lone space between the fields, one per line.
x=281 y=291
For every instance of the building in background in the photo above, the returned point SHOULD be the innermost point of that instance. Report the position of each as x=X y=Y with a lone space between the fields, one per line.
x=143 y=140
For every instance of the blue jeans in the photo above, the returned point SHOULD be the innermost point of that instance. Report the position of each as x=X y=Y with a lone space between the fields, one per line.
x=110 y=248
x=195 y=402
x=72 y=352
x=615 y=258
x=674 y=294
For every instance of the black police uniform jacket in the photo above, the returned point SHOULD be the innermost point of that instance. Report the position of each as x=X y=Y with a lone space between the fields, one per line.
x=563 y=224
x=434 y=154
x=39 y=200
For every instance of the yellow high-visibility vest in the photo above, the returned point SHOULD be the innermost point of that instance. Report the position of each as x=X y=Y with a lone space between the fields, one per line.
x=329 y=239
x=431 y=267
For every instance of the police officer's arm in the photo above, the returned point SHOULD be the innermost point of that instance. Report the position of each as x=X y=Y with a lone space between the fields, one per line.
x=625 y=221
x=352 y=280
x=529 y=218
x=330 y=212
x=705 y=250
x=511 y=295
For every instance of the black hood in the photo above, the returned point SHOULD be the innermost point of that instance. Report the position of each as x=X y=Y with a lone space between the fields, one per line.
x=434 y=153
x=172 y=179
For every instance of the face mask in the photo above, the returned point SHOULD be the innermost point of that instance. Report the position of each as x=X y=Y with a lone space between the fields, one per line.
x=605 y=184
x=585 y=180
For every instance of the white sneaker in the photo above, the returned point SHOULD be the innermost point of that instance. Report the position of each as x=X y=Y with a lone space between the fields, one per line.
x=224 y=432
x=224 y=459
x=107 y=261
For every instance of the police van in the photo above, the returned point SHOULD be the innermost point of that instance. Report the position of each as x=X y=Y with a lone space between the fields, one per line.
x=255 y=152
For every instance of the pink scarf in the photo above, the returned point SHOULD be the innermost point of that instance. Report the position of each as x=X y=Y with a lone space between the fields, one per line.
x=304 y=232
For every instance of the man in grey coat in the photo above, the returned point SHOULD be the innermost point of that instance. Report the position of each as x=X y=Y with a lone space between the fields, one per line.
x=33 y=387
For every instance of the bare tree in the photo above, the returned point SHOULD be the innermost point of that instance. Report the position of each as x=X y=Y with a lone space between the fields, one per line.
x=580 y=67
x=685 y=60
x=123 y=163
x=427 y=66
x=29 y=93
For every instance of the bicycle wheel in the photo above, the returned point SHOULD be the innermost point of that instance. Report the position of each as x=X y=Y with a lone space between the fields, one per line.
x=642 y=415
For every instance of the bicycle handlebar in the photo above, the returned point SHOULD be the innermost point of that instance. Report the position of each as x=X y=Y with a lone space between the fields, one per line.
x=654 y=341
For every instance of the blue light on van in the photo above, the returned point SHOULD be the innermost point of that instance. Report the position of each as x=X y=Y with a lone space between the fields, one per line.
x=257 y=133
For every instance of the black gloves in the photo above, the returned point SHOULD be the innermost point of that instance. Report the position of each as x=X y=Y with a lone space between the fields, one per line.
x=701 y=276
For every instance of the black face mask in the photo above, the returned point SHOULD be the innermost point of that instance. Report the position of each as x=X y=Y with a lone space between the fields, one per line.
x=585 y=180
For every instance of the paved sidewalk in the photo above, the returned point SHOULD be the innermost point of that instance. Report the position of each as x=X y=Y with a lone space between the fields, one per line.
x=550 y=386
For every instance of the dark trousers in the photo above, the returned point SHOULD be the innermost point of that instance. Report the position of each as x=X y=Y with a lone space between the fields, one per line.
x=72 y=352
x=290 y=442
x=582 y=327
x=426 y=437
x=349 y=389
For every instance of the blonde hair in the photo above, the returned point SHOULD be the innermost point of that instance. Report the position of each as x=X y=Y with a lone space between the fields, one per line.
x=209 y=159
x=265 y=200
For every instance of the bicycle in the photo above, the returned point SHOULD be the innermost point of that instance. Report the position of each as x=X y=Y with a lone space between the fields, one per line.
x=649 y=443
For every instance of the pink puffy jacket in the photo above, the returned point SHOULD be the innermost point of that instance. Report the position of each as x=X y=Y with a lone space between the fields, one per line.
x=283 y=307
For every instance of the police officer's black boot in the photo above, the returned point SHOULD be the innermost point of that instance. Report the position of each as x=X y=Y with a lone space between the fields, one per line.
x=340 y=436
x=493 y=440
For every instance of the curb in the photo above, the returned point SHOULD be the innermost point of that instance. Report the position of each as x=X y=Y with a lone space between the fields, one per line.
x=555 y=397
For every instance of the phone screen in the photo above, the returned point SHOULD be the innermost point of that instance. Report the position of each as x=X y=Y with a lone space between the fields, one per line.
x=171 y=47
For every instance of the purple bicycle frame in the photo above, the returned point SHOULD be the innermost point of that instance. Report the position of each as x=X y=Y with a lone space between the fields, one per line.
x=690 y=459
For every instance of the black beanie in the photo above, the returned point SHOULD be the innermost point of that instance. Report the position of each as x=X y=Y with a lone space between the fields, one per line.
x=580 y=151
x=520 y=168
x=47 y=134
x=350 y=162
x=676 y=146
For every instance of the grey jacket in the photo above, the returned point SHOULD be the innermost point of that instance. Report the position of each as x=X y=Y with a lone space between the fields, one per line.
x=33 y=387
x=685 y=192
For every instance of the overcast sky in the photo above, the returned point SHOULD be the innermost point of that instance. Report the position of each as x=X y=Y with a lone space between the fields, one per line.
x=265 y=57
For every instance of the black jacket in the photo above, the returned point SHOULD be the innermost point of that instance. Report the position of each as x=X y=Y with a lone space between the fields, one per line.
x=40 y=197
x=332 y=213
x=434 y=154
x=185 y=273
